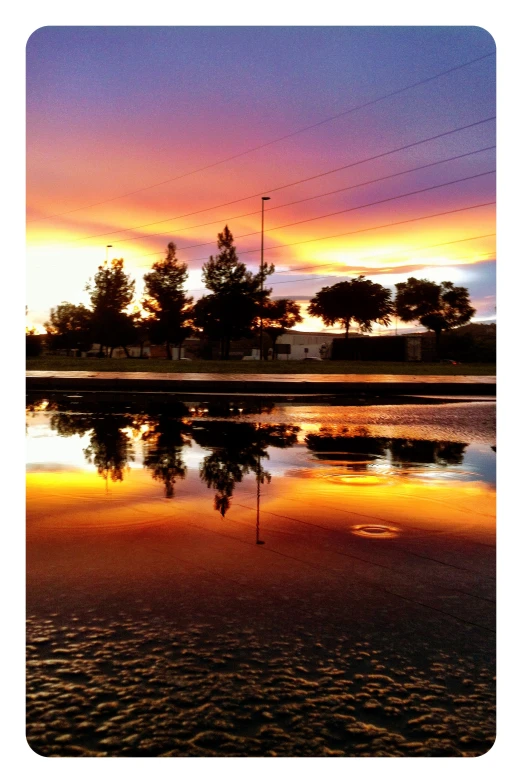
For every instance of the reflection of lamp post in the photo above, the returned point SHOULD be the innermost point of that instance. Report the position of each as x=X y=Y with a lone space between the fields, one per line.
x=107 y=252
x=262 y=272
x=258 y=498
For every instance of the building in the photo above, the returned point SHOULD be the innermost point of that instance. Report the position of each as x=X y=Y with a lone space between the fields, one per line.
x=389 y=348
x=303 y=345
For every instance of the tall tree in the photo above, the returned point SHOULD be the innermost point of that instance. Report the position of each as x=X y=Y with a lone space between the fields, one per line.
x=166 y=301
x=278 y=316
x=111 y=293
x=228 y=313
x=165 y=438
x=110 y=448
x=358 y=300
x=436 y=307
x=237 y=449
x=69 y=326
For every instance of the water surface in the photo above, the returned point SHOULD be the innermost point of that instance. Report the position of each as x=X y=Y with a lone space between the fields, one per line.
x=249 y=578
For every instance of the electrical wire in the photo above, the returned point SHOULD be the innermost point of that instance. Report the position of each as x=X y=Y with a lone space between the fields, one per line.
x=331 y=263
x=273 y=141
x=289 y=184
x=350 y=209
x=308 y=198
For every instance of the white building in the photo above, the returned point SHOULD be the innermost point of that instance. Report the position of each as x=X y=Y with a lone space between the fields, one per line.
x=304 y=345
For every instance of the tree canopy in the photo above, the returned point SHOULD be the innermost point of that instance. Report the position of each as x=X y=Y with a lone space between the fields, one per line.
x=436 y=307
x=69 y=326
x=111 y=293
x=229 y=312
x=166 y=301
x=358 y=300
x=278 y=316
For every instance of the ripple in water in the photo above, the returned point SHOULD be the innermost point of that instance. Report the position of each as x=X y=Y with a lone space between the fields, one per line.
x=375 y=531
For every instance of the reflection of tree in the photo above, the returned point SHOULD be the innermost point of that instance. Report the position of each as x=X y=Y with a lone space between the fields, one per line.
x=426 y=451
x=360 y=447
x=357 y=448
x=165 y=438
x=237 y=449
x=110 y=447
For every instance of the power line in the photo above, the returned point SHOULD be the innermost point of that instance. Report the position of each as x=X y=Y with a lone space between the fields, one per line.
x=338 y=212
x=274 y=141
x=330 y=263
x=290 y=184
x=408 y=250
x=359 y=230
x=308 y=198
x=324 y=277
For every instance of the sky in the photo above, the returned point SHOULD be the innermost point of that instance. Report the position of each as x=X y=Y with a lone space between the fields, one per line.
x=137 y=136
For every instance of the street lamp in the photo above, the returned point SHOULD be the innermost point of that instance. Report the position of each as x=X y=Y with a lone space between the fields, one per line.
x=107 y=252
x=262 y=272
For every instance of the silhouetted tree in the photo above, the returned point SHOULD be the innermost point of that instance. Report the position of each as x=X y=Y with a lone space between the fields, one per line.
x=237 y=449
x=278 y=316
x=167 y=302
x=165 y=439
x=407 y=451
x=142 y=330
x=358 y=300
x=111 y=294
x=436 y=307
x=228 y=313
x=355 y=448
x=110 y=448
x=69 y=326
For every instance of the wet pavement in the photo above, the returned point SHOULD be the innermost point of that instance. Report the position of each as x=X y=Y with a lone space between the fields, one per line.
x=283 y=377
x=215 y=383
x=261 y=579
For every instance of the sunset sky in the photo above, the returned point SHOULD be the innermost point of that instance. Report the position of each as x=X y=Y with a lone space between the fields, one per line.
x=129 y=130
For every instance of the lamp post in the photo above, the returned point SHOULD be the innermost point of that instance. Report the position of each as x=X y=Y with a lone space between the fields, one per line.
x=262 y=271
x=107 y=252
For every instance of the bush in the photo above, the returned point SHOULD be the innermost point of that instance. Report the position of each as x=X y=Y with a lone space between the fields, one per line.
x=33 y=345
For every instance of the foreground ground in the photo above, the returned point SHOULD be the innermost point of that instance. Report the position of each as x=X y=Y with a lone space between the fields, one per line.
x=269 y=367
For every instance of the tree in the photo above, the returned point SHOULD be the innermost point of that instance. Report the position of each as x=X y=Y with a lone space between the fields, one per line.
x=278 y=316
x=358 y=300
x=165 y=439
x=142 y=330
x=69 y=326
x=166 y=301
x=237 y=449
x=228 y=313
x=110 y=447
x=436 y=307
x=111 y=294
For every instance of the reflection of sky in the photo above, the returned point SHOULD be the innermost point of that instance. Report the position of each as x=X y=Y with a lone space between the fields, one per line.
x=145 y=105
x=48 y=451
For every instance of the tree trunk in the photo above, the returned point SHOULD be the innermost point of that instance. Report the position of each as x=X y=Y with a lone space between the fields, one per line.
x=110 y=352
x=274 y=348
x=347 y=327
x=437 y=344
x=127 y=354
x=168 y=352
